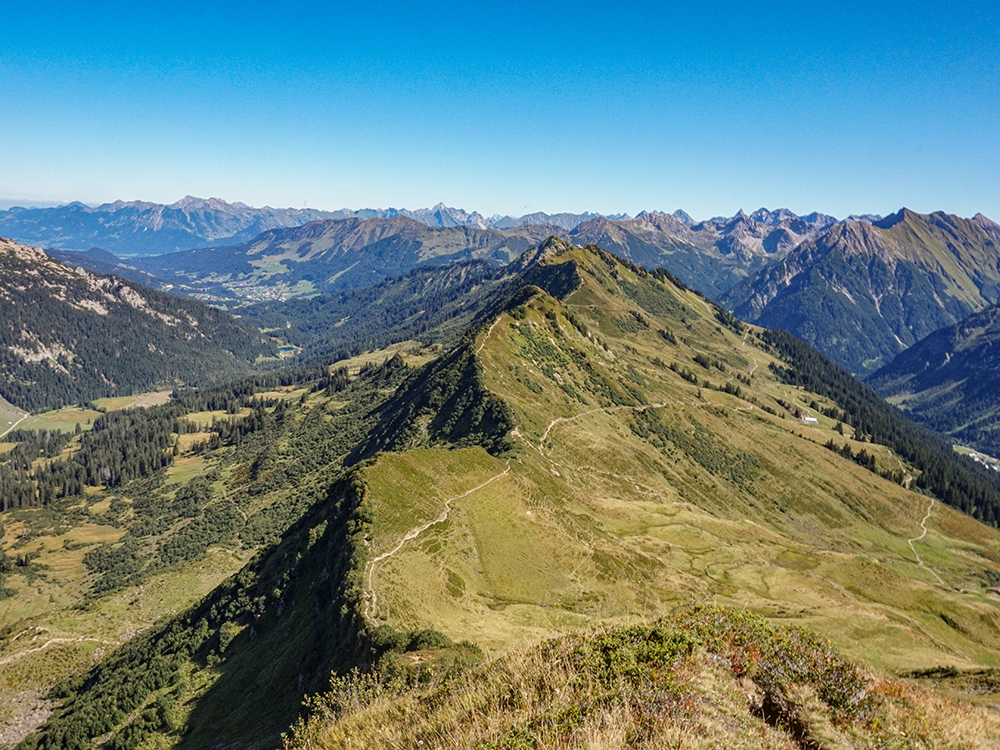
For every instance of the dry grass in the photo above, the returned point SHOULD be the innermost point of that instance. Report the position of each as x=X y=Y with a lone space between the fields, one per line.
x=61 y=420
x=412 y=351
x=140 y=400
x=704 y=680
x=206 y=418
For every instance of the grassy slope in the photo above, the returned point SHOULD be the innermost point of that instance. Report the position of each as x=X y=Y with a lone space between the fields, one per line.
x=595 y=523
x=54 y=625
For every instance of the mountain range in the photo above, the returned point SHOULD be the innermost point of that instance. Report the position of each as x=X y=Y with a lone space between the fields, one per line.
x=600 y=446
x=862 y=291
x=136 y=228
x=330 y=255
x=141 y=228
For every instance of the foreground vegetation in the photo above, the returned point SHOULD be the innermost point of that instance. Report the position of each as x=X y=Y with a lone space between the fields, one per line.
x=704 y=679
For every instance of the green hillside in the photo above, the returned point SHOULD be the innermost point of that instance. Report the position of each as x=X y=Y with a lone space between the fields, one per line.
x=605 y=449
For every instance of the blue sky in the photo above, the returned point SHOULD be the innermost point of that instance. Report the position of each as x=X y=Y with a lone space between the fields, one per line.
x=506 y=108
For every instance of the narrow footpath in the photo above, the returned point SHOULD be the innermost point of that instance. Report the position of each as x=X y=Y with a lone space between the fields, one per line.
x=371 y=603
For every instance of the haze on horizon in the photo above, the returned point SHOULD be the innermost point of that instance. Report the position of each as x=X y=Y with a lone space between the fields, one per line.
x=507 y=109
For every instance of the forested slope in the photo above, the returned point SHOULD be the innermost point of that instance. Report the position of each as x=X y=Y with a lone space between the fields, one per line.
x=69 y=336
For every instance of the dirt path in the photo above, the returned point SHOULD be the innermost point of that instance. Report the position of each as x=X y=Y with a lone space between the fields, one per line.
x=371 y=604
x=14 y=425
x=606 y=409
x=923 y=533
x=50 y=642
x=487 y=336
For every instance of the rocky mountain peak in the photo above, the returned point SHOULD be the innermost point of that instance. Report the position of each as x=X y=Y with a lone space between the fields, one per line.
x=903 y=214
x=773 y=218
x=989 y=226
x=684 y=217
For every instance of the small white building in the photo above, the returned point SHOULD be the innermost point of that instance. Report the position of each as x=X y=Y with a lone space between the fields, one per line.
x=809 y=420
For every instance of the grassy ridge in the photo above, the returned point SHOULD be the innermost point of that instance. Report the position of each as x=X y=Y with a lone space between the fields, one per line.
x=633 y=490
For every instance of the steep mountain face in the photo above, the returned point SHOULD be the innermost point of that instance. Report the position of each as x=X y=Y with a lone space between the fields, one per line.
x=71 y=336
x=604 y=446
x=950 y=381
x=862 y=292
x=989 y=226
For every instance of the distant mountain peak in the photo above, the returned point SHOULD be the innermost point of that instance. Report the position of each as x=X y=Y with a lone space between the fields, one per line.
x=990 y=227
x=660 y=221
x=191 y=202
x=903 y=214
x=684 y=217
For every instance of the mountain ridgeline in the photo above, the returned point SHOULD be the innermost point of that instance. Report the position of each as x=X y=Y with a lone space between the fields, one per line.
x=144 y=228
x=336 y=254
x=861 y=290
x=602 y=444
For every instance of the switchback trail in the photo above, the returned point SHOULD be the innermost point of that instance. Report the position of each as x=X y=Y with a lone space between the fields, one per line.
x=923 y=533
x=371 y=604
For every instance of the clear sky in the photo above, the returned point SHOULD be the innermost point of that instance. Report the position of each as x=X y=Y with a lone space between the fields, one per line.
x=841 y=107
